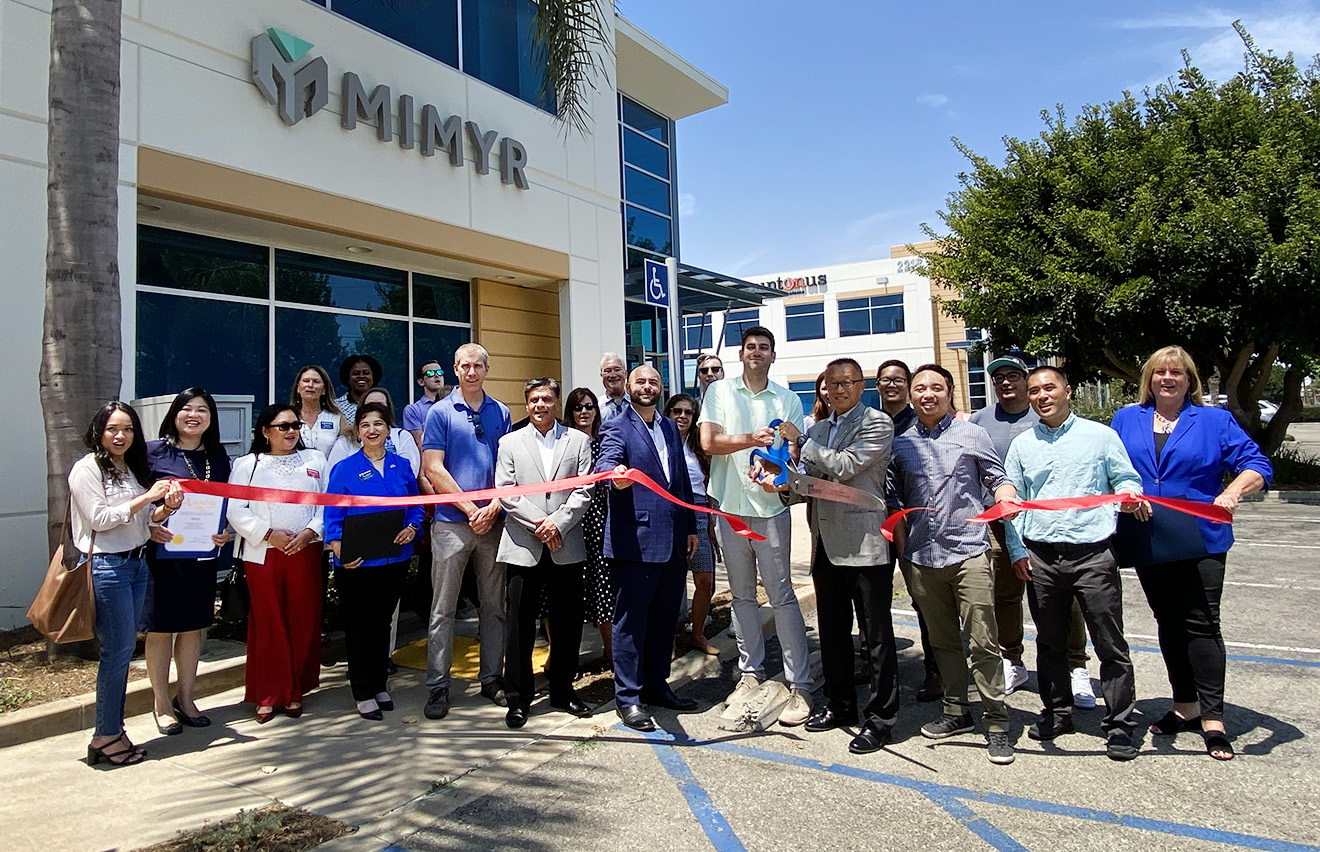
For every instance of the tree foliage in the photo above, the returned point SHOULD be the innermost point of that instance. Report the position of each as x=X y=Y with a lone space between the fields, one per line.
x=1191 y=216
x=573 y=34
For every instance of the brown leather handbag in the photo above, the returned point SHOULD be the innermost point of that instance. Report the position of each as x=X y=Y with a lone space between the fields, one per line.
x=65 y=607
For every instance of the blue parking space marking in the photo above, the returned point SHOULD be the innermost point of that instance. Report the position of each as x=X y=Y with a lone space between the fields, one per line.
x=717 y=828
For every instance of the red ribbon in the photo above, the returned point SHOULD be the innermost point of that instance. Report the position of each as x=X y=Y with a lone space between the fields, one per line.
x=1208 y=511
x=315 y=498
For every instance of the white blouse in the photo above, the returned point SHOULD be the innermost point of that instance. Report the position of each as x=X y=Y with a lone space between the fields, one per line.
x=101 y=503
x=399 y=442
x=303 y=470
x=321 y=435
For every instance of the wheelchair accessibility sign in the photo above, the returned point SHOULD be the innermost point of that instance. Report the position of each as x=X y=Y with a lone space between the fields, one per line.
x=657 y=283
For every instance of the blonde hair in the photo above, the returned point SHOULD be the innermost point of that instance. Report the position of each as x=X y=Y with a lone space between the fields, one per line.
x=1178 y=357
x=472 y=349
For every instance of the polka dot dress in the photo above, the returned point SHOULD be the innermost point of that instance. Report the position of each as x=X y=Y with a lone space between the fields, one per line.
x=599 y=591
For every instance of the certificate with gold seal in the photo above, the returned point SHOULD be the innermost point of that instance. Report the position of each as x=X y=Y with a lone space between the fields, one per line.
x=192 y=525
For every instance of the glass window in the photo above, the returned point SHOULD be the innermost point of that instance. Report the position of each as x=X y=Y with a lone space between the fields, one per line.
x=874 y=315
x=429 y=26
x=976 y=379
x=498 y=48
x=736 y=321
x=331 y=283
x=644 y=120
x=184 y=341
x=441 y=298
x=647 y=230
x=645 y=190
x=319 y=337
x=645 y=153
x=806 y=392
x=438 y=342
x=806 y=322
x=698 y=332
x=184 y=261
x=635 y=256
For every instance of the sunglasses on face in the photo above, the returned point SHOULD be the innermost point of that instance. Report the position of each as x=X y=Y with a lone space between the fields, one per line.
x=712 y=369
x=680 y=412
x=583 y=406
x=431 y=374
x=285 y=427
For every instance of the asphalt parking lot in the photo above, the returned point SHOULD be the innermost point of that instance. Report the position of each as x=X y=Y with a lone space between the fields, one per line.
x=693 y=786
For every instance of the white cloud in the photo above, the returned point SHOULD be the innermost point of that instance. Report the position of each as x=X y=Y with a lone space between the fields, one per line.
x=932 y=100
x=1200 y=19
x=687 y=205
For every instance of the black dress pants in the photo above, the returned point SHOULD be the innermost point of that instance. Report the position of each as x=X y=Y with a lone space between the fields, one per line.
x=369 y=595
x=873 y=588
x=561 y=586
x=1185 y=596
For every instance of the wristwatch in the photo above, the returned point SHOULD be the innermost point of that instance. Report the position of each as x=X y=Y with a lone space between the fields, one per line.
x=801 y=440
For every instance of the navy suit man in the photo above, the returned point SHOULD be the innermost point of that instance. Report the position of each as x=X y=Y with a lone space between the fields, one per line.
x=648 y=541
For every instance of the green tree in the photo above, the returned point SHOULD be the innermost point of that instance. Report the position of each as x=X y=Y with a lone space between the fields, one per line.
x=1190 y=217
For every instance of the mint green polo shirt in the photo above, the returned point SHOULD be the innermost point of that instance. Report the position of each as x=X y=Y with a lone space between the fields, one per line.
x=730 y=405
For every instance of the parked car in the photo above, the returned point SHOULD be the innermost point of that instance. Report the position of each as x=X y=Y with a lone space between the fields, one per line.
x=1267 y=410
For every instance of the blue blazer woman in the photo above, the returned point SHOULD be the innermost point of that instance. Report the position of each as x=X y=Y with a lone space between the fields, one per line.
x=1205 y=447
x=356 y=475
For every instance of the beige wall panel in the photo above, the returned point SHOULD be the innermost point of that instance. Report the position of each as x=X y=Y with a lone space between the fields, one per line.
x=512 y=319
x=496 y=294
x=529 y=345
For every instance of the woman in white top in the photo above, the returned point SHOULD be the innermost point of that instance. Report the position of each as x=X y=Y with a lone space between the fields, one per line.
x=111 y=495
x=321 y=419
x=400 y=441
x=281 y=552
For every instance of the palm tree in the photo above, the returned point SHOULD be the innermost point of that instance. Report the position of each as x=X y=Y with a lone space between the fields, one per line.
x=81 y=357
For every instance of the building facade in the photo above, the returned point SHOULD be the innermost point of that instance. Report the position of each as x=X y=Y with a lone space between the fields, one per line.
x=871 y=311
x=306 y=179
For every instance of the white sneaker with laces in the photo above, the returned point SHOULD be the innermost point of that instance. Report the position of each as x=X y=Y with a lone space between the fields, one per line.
x=1083 y=695
x=1015 y=675
x=798 y=709
x=746 y=686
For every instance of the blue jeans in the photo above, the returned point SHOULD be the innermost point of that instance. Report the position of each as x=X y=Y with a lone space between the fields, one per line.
x=120 y=586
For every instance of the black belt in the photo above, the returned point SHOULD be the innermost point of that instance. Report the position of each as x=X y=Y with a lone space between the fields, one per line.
x=1066 y=549
x=140 y=550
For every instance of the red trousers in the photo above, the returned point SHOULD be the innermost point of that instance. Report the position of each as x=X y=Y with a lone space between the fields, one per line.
x=284 y=627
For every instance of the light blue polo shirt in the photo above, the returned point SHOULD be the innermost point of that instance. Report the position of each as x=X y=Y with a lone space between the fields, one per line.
x=452 y=427
x=729 y=404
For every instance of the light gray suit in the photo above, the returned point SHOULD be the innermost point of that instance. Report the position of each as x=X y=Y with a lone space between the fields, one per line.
x=518 y=462
x=857 y=456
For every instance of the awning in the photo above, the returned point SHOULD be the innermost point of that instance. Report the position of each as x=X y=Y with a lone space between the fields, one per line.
x=701 y=291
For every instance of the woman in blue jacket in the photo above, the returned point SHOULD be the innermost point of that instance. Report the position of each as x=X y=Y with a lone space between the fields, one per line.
x=1185 y=449
x=370 y=588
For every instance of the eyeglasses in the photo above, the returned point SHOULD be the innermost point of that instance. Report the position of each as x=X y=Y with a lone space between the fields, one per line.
x=431 y=374
x=285 y=427
x=1008 y=376
x=474 y=417
x=891 y=381
x=583 y=406
x=846 y=384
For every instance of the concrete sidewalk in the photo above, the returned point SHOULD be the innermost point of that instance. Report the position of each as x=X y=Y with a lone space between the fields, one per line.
x=376 y=775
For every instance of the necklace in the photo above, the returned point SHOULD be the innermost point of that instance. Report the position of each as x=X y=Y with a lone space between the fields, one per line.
x=193 y=470
x=1164 y=425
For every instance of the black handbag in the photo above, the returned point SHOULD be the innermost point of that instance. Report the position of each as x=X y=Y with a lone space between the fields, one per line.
x=235 y=599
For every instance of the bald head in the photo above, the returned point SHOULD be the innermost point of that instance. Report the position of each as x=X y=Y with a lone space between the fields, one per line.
x=644 y=386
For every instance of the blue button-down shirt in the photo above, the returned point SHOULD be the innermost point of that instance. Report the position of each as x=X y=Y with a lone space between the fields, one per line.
x=1077 y=459
x=943 y=469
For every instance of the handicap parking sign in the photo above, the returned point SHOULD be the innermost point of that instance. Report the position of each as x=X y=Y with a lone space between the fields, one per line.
x=656 y=283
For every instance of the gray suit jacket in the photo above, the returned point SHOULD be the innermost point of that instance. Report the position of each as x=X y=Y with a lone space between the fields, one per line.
x=518 y=462
x=858 y=456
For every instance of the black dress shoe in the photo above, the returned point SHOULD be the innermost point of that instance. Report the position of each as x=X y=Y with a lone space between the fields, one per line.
x=636 y=718
x=669 y=700
x=871 y=738
x=494 y=690
x=574 y=706
x=826 y=719
x=372 y=715
x=516 y=717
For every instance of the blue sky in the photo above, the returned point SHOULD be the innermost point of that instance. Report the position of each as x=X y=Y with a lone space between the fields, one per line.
x=835 y=143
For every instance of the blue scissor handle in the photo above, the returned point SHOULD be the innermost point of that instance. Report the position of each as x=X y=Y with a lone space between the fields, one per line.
x=776 y=455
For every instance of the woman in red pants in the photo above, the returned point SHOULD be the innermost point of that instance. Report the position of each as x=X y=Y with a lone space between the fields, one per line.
x=281 y=552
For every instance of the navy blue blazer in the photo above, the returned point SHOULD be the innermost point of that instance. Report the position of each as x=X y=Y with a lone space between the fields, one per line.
x=643 y=526
x=1205 y=447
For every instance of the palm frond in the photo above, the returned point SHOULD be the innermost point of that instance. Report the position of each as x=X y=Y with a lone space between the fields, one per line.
x=574 y=34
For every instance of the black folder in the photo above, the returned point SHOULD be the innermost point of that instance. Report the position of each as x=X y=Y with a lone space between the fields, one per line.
x=370 y=535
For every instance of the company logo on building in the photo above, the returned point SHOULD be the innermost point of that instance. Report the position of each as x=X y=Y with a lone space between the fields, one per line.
x=301 y=89
x=803 y=284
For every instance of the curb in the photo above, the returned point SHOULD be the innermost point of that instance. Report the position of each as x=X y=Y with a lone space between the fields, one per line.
x=1307 y=498
x=67 y=715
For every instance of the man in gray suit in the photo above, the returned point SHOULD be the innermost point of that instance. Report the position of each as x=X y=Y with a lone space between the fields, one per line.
x=850 y=557
x=542 y=550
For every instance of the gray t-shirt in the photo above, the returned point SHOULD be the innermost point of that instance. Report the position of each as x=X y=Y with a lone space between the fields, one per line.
x=1004 y=427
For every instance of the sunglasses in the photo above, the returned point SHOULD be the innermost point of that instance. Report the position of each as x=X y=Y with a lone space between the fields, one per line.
x=712 y=369
x=431 y=374
x=680 y=411
x=474 y=417
x=285 y=427
x=583 y=406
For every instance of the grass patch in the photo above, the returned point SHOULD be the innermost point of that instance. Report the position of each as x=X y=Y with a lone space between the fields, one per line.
x=278 y=828
x=1294 y=468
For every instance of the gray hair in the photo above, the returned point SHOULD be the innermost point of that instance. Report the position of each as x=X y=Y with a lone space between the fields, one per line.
x=542 y=382
x=611 y=356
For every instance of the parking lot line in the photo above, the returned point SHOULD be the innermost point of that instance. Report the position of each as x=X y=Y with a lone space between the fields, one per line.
x=717 y=828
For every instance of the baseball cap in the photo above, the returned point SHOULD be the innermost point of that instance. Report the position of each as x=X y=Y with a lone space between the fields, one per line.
x=1006 y=361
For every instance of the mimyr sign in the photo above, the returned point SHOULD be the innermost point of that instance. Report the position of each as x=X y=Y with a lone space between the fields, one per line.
x=300 y=89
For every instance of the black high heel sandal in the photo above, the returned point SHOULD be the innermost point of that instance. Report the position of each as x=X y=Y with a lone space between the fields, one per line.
x=1171 y=723
x=199 y=721
x=126 y=756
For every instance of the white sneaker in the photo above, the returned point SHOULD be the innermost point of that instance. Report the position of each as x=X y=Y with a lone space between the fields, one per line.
x=1083 y=695
x=1015 y=675
x=798 y=709
x=746 y=686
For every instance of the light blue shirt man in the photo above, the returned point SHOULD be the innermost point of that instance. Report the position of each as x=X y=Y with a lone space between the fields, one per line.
x=1077 y=458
